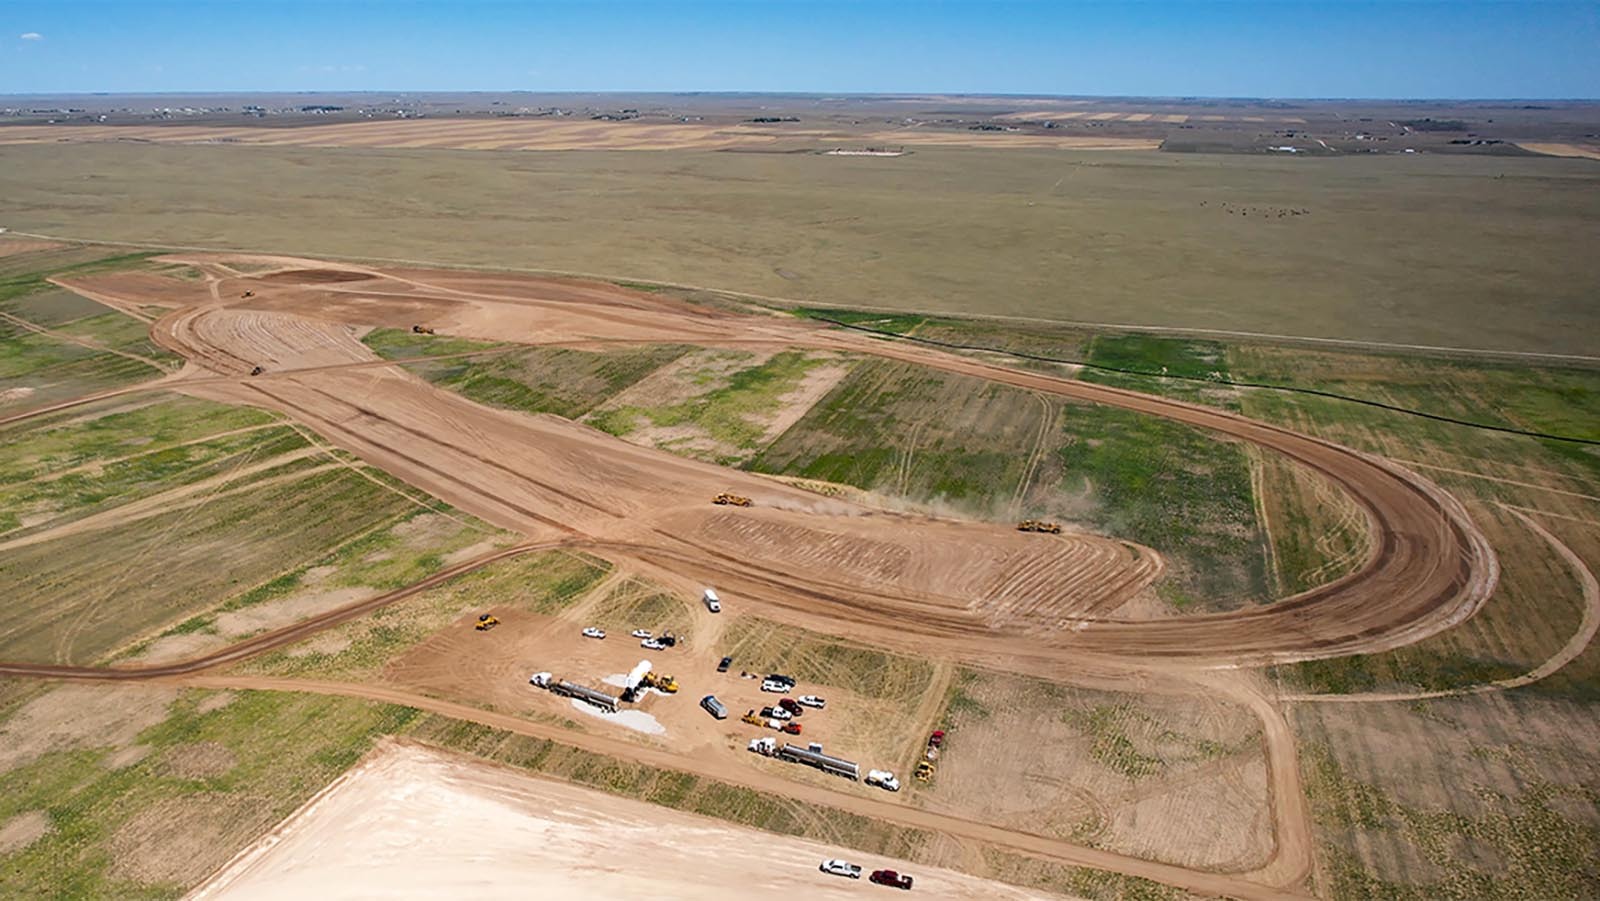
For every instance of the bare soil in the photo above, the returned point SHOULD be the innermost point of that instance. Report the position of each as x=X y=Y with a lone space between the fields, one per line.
x=408 y=819
x=23 y=830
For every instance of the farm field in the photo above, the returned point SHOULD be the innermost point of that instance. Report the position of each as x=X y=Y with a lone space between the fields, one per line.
x=1136 y=672
x=1387 y=252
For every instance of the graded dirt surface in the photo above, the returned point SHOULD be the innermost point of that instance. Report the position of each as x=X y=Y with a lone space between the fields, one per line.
x=411 y=821
x=978 y=592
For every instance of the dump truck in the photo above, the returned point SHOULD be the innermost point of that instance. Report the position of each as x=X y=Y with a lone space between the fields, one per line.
x=421 y=330
x=1039 y=525
x=486 y=622
x=731 y=500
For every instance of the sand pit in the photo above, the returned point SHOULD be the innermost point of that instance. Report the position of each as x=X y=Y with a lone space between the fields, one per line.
x=413 y=822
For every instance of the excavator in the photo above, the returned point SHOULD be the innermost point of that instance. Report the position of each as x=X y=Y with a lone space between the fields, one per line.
x=731 y=500
x=1039 y=525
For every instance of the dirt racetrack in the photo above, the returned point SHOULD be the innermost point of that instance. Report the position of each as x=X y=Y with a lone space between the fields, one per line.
x=975 y=592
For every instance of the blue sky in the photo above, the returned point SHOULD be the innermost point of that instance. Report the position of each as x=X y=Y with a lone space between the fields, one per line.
x=1335 y=48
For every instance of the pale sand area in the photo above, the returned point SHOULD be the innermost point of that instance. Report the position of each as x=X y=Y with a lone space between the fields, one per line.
x=417 y=823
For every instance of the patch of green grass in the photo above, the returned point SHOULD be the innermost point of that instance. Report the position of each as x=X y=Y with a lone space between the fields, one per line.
x=1540 y=852
x=403 y=344
x=90 y=597
x=568 y=383
x=285 y=748
x=538 y=583
x=1110 y=745
x=900 y=324
x=731 y=413
x=905 y=430
x=1176 y=489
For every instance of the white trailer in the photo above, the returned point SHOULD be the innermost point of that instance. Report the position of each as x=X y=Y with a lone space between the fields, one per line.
x=713 y=603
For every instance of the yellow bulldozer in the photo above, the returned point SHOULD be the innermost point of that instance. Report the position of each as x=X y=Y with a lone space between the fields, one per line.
x=486 y=622
x=731 y=500
x=1039 y=525
x=667 y=684
x=421 y=330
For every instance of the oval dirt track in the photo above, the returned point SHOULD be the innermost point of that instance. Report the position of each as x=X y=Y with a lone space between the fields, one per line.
x=1429 y=566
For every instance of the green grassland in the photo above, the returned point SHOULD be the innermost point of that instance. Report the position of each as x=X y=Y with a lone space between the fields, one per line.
x=906 y=430
x=565 y=382
x=37 y=369
x=727 y=407
x=1388 y=252
x=1480 y=798
x=541 y=583
x=68 y=464
x=114 y=830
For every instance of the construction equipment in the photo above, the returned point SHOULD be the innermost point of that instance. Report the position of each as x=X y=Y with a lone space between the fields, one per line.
x=1039 y=525
x=256 y=370
x=924 y=771
x=486 y=622
x=731 y=500
x=667 y=684
x=248 y=294
x=751 y=718
x=421 y=330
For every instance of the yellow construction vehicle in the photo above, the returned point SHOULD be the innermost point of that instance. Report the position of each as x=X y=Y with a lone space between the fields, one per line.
x=733 y=500
x=421 y=330
x=667 y=684
x=248 y=294
x=752 y=719
x=486 y=622
x=924 y=771
x=1039 y=525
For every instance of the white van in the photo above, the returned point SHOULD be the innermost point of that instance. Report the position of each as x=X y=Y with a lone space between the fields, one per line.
x=713 y=603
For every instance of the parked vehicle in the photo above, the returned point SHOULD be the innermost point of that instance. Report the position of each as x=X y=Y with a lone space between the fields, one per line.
x=777 y=713
x=641 y=633
x=766 y=747
x=792 y=728
x=652 y=644
x=840 y=868
x=723 y=666
x=937 y=738
x=890 y=878
x=812 y=701
x=714 y=707
x=883 y=779
x=592 y=632
x=791 y=705
x=713 y=603
x=779 y=677
x=774 y=687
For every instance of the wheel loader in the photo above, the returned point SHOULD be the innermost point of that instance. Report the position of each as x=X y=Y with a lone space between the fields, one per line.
x=486 y=622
